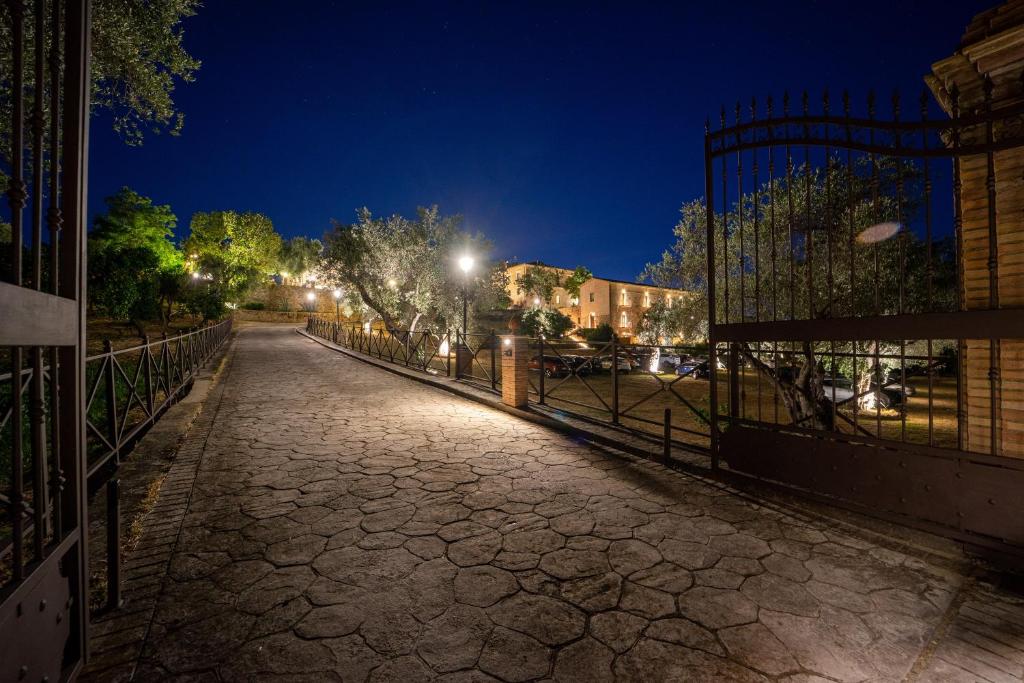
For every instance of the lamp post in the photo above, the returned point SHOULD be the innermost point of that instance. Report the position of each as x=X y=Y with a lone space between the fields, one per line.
x=311 y=298
x=466 y=265
x=337 y=306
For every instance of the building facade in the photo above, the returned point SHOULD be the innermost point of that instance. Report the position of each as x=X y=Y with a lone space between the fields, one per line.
x=616 y=302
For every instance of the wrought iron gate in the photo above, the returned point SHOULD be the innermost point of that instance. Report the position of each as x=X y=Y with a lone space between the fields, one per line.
x=867 y=363
x=43 y=613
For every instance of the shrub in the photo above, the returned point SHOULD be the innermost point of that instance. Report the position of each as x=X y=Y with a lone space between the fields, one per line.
x=601 y=333
x=254 y=306
x=549 y=322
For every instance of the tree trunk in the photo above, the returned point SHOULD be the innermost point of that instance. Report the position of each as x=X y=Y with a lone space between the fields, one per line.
x=804 y=396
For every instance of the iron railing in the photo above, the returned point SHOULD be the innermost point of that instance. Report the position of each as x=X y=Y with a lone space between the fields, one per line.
x=127 y=392
x=855 y=293
x=645 y=393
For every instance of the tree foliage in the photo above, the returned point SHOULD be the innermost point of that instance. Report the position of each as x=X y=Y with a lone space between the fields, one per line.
x=660 y=321
x=404 y=270
x=138 y=58
x=538 y=282
x=300 y=255
x=237 y=250
x=544 y=321
x=134 y=269
x=575 y=281
x=807 y=226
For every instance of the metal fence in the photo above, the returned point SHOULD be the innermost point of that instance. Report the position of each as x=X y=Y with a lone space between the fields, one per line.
x=648 y=388
x=127 y=390
x=873 y=350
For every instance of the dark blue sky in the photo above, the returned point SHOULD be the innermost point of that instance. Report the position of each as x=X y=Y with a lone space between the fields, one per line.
x=567 y=132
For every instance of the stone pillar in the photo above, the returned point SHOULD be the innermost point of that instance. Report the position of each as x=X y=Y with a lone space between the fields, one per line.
x=515 y=371
x=991 y=57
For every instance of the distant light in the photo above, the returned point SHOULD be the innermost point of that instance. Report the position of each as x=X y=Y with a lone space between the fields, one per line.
x=194 y=256
x=536 y=301
x=337 y=294
x=878 y=233
x=466 y=264
x=283 y=273
x=366 y=327
x=507 y=342
x=195 y=275
x=311 y=296
x=392 y=284
x=443 y=348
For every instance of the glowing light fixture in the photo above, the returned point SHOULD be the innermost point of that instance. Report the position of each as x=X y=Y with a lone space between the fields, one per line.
x=536 y=301
x=283 y=273
x=442 y=348
x=507 y=342
x=311 y=296
x=195 y=275
x=466 y=263
x=337 y=294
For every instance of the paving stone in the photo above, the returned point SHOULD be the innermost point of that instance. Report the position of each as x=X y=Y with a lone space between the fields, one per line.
x=782 y=595
x=574 y=564
x=755 y=646
x=514 y=657
x=655 y=660
x=647 y=602
x=684 y=632
x=594 y=593
x=483 y=586
x=548 y=620
x=628 y=556
x=617 y=630
x=585 y=661
x=716 y=608
x=454 y=640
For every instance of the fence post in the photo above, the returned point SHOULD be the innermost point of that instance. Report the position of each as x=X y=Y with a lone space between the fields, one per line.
x=667 y=438
x=458 y=355
x=734 y=381
x=494 y=362
x=165 y=356
x=114 y=544
x=540 y=390
x=111 y=388
x=615 y=379
x=148 y=358
x=448 y=356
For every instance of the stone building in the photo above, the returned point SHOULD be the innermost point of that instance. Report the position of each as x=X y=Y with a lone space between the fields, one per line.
x=619 y=303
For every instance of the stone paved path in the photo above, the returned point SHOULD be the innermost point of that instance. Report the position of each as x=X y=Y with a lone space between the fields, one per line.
x=348 y=524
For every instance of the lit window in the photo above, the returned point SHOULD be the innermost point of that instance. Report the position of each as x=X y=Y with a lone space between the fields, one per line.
x=647 y=299
x=624 y=320
x=593 y=320
x=558 y=298
x=625 y=298
x=669 y=299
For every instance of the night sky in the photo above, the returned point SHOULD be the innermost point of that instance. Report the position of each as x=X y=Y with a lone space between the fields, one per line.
x=568 y=132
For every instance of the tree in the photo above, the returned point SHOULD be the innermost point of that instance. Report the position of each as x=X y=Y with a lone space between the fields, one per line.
x=132 y=221
x=300 y=255
x=574 y=282
x=600 y=334
x=828 y=206
x=538 y=282
x=544 y=321
x=661 y=321
x=237 y=250
x=404 y=270
x=134 y=268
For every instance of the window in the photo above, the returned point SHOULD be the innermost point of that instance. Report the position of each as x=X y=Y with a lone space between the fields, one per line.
x=668 y=298
x=558 y=298
x=647 y=299
x=625 y=298
x=591 y=297
x=593 y=320
x=624 y=320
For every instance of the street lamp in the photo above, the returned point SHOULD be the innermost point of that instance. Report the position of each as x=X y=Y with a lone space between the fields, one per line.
x=465 y=265
x=337 y=305
x=311 y=298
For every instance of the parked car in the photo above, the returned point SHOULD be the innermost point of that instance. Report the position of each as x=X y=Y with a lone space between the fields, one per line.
x=840 y=390
x=695 y=368
x=560 y=366
x=623 y=363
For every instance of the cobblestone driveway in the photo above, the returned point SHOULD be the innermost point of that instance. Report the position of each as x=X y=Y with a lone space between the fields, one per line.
x=349 y=524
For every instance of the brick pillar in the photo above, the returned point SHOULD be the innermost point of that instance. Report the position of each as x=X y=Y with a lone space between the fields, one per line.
x=515 y=372
x=992 y=49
